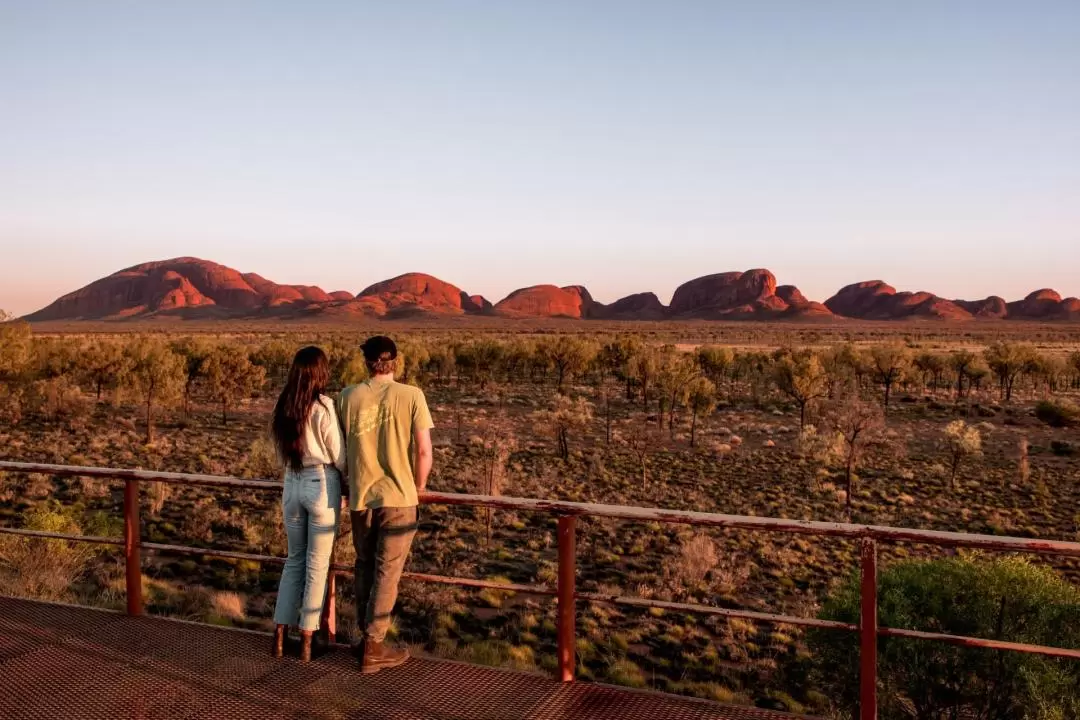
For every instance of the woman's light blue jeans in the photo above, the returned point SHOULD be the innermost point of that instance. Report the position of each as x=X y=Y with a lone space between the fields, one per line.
x=311 y=505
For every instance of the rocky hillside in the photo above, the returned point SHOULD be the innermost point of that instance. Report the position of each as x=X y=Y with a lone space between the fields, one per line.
x=192 y=288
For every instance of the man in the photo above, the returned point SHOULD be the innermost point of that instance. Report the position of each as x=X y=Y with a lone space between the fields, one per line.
x=387 y=429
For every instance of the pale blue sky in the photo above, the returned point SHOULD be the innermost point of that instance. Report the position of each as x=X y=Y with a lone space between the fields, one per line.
x=622 y=145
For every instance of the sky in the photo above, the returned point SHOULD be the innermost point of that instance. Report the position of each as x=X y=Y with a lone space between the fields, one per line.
x=621 y=145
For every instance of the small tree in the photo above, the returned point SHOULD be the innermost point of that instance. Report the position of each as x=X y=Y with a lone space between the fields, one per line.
x=194 y=353
x=677 y=371
x=412 y=359
x=888 y=365
x=157 y=374
x=644 y=366
x=962 y=441
x=803 y=379
x=960 y=362
x=1008 y=599
x=106 y=366
x=1007 y=361
x=715 y=362
x=275 y=358
x=639 y=441
x=570 y=356
x=616 y=357
x=702 y=401
x=932 y=367
x=480 y=359
x=564 y=417
x=861 y=425
x=231 y=376
x=844 y=367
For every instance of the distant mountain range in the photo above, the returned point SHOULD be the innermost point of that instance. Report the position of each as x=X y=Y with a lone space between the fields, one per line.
x=193 y=288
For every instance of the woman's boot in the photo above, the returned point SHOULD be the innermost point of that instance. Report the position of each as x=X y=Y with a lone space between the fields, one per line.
x=279 y=641
x=305 y=646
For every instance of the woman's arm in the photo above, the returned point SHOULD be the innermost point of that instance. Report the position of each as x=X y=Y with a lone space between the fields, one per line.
x=333 y=437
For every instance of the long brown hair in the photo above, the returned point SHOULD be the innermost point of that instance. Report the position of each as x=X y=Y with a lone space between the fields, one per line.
x=308 y=379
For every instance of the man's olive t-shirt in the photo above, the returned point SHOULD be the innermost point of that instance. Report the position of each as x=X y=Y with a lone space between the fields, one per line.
x=379 y=418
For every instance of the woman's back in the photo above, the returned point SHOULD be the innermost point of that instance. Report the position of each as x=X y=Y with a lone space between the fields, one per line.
x=322 y=438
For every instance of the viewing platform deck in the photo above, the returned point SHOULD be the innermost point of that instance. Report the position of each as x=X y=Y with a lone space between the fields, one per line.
x=60 y=661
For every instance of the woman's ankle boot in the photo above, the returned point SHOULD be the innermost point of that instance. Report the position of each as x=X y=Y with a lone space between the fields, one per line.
x=278 y=647
x=305 y=646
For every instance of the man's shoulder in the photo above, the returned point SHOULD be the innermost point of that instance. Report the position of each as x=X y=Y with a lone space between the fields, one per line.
x=410 y=392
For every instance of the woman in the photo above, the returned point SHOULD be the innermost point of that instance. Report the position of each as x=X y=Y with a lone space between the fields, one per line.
x=310 y=443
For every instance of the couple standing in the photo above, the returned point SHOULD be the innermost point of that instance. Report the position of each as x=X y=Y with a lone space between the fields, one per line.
x=378 y=435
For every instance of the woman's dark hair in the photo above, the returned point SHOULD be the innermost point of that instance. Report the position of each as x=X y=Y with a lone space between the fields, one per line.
x=308 y=378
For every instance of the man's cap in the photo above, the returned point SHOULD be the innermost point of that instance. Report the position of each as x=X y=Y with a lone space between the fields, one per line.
x=379 y=347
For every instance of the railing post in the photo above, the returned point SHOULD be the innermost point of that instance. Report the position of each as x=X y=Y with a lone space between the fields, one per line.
x=132 y=564
x=868 y=632
x=567 y=607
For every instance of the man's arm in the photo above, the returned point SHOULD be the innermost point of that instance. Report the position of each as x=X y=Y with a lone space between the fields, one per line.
x=424 y=457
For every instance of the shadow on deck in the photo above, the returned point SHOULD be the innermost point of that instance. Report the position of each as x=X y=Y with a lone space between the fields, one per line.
x=64 y=662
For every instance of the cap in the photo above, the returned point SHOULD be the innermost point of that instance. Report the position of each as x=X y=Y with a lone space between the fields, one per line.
x=378 y=347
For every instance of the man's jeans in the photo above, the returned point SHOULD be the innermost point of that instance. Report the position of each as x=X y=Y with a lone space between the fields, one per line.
x=382 y=538
x=311 y=505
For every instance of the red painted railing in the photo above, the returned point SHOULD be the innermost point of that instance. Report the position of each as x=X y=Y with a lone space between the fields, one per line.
x=567 y=512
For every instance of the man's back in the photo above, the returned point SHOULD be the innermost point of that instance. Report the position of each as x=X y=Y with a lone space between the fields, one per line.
x=379 y=417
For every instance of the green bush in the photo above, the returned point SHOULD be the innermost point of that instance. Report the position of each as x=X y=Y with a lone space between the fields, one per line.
x=1006 y=598
x=1057 y=414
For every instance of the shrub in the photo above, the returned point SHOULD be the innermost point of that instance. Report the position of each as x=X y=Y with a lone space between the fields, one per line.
x=1006 y=598
x=1057 y=414
x=1062 y=448
x=44 y=569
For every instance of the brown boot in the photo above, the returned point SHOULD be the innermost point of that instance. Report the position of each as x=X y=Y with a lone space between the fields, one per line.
x=379 y=656
x=278 y=645
x=305 y=646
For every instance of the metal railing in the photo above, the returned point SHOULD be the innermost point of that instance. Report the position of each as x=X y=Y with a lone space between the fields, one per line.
x=565 y=592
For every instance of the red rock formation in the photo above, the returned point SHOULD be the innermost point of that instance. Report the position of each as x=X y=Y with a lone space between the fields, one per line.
x=341 y=295
x=546 y=301
x=641 y=306
x=992 y=307
x=416 y=291
x=860 y=299
x=875 y=300
x=1040 y=305
x=731 y=294
x=791 y=295
x=475 y=303
x=156 y=287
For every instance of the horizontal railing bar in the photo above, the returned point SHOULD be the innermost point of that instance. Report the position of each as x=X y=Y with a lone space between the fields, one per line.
x=91 y=539
x=469 y=582
x=965 y=641
x=710 y=610
x=621 y=512
x=144 y=475
x=343 y=567
x=210 y=552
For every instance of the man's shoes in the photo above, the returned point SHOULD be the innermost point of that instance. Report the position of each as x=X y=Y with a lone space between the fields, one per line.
x=378 y=656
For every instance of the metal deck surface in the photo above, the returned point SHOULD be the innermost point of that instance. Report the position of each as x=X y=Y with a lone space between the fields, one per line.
x=75 y=663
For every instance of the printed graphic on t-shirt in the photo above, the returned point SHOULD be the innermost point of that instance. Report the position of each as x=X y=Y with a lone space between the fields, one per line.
x=373 y=418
